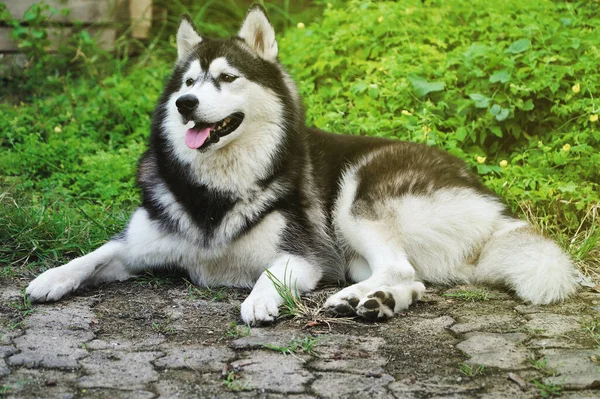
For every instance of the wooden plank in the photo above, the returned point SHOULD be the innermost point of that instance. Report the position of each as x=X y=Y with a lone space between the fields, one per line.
x=140 y=12
x=104 y=36
x=86 y=11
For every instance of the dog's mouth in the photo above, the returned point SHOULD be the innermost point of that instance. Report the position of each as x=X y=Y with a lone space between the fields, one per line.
x=204 y=134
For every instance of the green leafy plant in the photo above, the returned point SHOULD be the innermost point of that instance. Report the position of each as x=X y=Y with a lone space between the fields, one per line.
x=547 y=389
x=297 y=345
x=235 y=331
x=471 y=371
x=232 y=382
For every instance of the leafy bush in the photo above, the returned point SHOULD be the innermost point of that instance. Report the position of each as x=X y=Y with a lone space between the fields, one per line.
x=507 y=86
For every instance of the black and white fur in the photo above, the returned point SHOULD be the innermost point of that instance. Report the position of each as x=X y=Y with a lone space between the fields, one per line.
x=309 y=206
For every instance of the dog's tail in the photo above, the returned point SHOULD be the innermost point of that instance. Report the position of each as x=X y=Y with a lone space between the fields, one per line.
x=530 y=264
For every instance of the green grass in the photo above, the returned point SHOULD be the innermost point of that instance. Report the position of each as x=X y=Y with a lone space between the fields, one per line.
x=507 y=86
x=210 y=294
x=22 y=308
x=548 y=390
x=235 y=331
x=542 y=366
x=164 y=327
x=296 y=346
x=471 y=371
x=592 y=327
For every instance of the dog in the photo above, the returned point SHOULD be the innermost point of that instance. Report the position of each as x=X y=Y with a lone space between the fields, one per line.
x=237 y=190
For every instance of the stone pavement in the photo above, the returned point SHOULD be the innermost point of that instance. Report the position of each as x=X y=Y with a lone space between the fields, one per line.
x=164 y=339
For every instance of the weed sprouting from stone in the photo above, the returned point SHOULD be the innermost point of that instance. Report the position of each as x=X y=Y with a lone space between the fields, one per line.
x=471 y=371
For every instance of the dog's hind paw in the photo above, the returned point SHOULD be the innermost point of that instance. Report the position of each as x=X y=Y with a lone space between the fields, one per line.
x=344 y=307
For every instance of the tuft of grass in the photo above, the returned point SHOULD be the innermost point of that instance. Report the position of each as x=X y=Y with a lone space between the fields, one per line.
x=592 y=327
x=22 y=308
x=165 y=327
x=235 y=331
x=231 y=382
x=297 y=345
x=149 y=279
x=471 y=371
x=541 y=365
x=548 y=390
x=214 y=295
x=473 y=295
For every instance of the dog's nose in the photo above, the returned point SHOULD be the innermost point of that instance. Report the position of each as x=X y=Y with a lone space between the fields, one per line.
x=186 y=103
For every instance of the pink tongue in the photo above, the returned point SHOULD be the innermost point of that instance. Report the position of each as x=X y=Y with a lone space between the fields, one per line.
x=195 y=138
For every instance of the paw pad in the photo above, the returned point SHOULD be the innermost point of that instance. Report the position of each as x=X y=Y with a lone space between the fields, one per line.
x=377 y=306
x=346 y=307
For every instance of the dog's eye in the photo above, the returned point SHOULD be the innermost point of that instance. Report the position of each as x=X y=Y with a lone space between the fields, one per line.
x=189 y=82
x=227 y=78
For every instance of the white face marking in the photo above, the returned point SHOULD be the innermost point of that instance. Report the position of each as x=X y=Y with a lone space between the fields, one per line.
x=193 y=72
x=219 y=66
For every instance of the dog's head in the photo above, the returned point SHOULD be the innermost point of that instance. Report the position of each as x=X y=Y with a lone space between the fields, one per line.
x=224 y=89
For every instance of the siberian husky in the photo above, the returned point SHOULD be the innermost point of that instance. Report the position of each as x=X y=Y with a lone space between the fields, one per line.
x=234 y=184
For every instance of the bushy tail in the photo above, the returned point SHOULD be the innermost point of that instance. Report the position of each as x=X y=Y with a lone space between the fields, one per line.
x=536 y=268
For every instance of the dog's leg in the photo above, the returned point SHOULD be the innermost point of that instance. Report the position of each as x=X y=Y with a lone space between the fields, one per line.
x=142 y=246
x=384 y=275
x=391 y=286
x=298 y=274
x=107 y=263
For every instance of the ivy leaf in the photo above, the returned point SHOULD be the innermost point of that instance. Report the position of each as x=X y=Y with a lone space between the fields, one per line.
x=499 y=112
x=480 y=100
x=519 y=46
x=422 y=86
x=502 y=76
x=528 y=105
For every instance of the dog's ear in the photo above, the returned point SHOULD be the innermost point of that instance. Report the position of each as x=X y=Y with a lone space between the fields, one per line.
x=187 y=36
x=258 y=32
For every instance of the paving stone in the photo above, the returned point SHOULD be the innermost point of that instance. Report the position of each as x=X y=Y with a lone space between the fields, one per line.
x=26 y=383
x=586 y=394
x=4 y=370
x=114 y=393
x=550 y=342
x=119 y=370
x=575 y=368
x=258 y=338
x=550 y=324
x=407 y=389
x=364 y=366
x=54 y=336
x=10 y=293
x=120 y=343
x=495 y=350
x=7 y=351
x=530 y=309
x=331 y=344
x=7 y=336
x=273 y=372
x=342 y=385
x=489 y=322
x=433 y=326
x=349 y=353
x=200 y=359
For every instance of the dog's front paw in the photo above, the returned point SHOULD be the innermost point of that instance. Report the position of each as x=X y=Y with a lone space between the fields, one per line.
x=52 y=285
x=260 y=308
